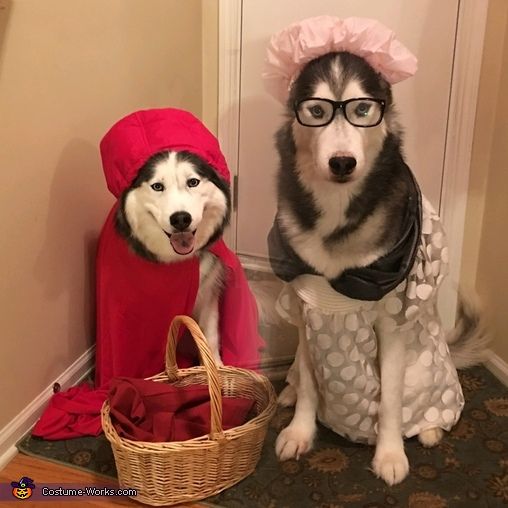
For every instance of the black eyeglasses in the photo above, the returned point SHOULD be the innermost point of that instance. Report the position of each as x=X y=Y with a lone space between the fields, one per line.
x=360 y=112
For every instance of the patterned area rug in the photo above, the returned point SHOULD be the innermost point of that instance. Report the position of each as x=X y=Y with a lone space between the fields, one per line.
x=469 y=468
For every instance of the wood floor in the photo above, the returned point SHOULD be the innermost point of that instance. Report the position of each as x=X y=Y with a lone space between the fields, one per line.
x=43 y=471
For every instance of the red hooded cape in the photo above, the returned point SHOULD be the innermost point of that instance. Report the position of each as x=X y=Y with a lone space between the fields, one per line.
x=137 y=299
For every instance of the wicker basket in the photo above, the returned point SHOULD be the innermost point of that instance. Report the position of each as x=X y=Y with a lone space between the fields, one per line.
x=184 y=471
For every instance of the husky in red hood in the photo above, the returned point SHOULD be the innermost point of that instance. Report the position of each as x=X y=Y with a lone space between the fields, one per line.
x=160 y=255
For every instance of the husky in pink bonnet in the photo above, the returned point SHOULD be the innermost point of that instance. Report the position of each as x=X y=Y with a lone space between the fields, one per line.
x=362 y=251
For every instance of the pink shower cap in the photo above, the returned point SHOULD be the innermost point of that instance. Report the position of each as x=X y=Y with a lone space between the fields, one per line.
x=290 y=49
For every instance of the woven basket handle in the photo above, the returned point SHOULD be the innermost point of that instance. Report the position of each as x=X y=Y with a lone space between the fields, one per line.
x=206 y=360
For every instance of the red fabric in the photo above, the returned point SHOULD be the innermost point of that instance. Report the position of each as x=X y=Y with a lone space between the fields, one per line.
x=138 y=136
x=157 y=412
x=73 y=413
x=137 y=299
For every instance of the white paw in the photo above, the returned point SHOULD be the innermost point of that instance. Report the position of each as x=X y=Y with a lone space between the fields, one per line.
x=218 y=360
x=294 y=440
x=430 y=437
x=390 y=465
x=287 y=397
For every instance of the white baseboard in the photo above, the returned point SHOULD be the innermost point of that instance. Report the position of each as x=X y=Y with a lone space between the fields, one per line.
x=497 y=366
x=26 y=419
x=255 y=263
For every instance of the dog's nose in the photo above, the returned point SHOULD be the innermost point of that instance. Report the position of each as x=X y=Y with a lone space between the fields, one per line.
x=180 y=220
x=342 y=166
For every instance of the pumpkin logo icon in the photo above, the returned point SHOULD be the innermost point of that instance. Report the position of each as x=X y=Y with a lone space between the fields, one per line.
x=23 y=489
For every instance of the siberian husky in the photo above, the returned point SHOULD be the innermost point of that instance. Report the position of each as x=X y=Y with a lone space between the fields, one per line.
x=343 y=194
x=175 y=208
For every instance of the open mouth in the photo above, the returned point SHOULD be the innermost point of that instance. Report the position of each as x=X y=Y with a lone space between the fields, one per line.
x=182 y=242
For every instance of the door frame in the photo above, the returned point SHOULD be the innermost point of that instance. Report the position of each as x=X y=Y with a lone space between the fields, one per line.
x=467 y=59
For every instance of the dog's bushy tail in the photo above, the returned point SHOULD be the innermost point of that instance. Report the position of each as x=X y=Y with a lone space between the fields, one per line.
x=469 y=340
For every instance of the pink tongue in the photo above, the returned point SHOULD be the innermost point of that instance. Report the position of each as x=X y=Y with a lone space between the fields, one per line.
x=182 y=243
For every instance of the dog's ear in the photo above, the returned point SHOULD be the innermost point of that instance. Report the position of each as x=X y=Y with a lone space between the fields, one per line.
x=386 y=92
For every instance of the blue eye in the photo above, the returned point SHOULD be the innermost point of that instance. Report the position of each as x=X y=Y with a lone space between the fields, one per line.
x=192 y=182
x=157 y=187
x=317 y=111
x=362 y=109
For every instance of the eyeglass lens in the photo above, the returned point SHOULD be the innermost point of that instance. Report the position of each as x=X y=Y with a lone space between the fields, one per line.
x=358 y=112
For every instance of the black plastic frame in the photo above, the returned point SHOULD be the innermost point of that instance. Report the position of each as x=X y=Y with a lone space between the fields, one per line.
x=340 y=105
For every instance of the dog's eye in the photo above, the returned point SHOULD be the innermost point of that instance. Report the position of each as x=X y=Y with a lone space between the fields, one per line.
x=316 y=111
x=157 y=187
x=362 y=109
x=192 y=182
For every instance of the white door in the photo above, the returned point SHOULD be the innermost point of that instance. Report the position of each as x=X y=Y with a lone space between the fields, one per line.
x=426 y=27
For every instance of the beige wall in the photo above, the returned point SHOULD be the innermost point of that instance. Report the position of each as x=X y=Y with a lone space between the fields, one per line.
x=68 y=70
x=486 y=242
x=210 y=20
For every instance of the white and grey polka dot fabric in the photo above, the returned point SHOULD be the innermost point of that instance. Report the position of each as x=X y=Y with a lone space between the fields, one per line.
x=343 y=347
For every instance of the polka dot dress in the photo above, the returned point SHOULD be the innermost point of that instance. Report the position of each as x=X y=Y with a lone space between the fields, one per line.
x=343 y=345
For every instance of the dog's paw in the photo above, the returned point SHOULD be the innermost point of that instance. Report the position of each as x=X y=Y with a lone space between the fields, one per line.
x=293 y=441
x=430 y=437
x=390 y=465
x=218 y=361
x=287 y=397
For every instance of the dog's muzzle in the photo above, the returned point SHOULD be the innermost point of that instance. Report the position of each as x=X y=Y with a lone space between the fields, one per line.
x=342 y=167
x=182 y=240
x=180 y=220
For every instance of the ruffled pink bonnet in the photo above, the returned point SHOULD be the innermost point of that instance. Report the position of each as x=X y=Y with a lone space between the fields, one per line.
x=293 y=47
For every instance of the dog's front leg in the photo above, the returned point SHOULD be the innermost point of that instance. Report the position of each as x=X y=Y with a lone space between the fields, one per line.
x=206 y=313
x=296 y=439
x=206 y=308
x=390 y=461
x=208 y=320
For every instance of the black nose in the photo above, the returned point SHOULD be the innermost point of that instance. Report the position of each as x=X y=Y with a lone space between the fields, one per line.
x=342 y=166
x=180 y=220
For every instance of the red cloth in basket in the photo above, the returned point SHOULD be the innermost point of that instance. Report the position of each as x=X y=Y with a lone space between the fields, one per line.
x=143 y=410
